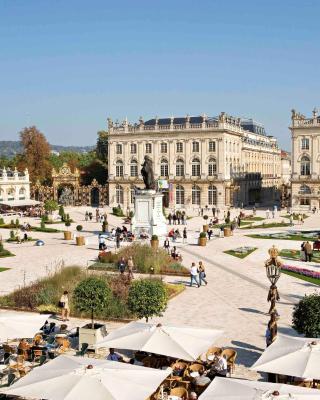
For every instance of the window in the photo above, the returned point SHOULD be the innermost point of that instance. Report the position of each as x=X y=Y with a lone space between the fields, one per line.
x=22 y=193
x=164 y=168
x=212 y=195
x=179 y=147
x=119 y=194
x=304 y=202
x=305 y=144
x=148 y=148
x=212 y=166
x=212 y=146
x=10 y=194
x=305 y=165
x=195 y=147
x=134 y=168
x=133 y=148
x=119 y=148
x=164 y=147
x=195 y=167
x=195 y=195
x=132 y=192
x=180 y=195
x=304 y=189
x=180 y=167
x=119 y=168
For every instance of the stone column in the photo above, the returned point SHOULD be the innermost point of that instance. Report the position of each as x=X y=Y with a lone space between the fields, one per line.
x=187 y=167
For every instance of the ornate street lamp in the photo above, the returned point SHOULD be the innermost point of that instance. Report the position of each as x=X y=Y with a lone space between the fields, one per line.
x=273 y=271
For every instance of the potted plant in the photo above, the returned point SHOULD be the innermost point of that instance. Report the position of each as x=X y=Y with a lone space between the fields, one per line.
x=92 y=296
x=202 y=239
x=154 y=242
x=67 y=233
x=80 y=239
x=206 y=226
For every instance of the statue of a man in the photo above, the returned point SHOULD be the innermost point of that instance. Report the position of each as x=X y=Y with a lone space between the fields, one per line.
x=147 y=173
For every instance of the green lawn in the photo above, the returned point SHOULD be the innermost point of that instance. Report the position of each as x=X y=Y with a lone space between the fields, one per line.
x=302 y=277
x=300 y=238
x=6 y=253
x=238 y=254
x=295 y=216
x=253 y=219
x=3 y=269
x=295 y=255
x=266 y=226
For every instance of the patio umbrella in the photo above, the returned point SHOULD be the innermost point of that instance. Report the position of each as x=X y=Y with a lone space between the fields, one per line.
x=238 y=389
x=14 y=325
x=293 y=356
x=186 y=343
x=81 y=378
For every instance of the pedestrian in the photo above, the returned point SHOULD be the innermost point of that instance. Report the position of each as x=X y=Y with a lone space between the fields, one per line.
x=121 y=265
x=267 y=213
x=308 y=252
x=174 y=219
x=201 y=212
x=184 y=235
x=209 y=233
x=118 y=240
x=169 y=218
x=64 y=305
x=130 y=268
x=291 y=220
x=302 y=252
x=299 y=218
x=273 y=214
x=183 y=218
x=239 y=221
x=202 y=273
x=194 y=274
x=166 y=245
x=213 y=212
x=86 y=216
x=90 y=216
x=102 y=243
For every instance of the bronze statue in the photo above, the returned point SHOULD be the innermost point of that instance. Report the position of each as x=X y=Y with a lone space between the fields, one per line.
x=147 y=173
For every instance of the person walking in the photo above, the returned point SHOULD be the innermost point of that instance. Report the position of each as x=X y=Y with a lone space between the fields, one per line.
x=166 y=245
x=118 y=240
x=213 y=212
x=308 y=251
x=184 y=235
x=64 y=304
x=169 y=218
x=86 y=216
x=291 y=220
x=194 y=275
x=121 y=265
x=130 y=268
x=202 y=273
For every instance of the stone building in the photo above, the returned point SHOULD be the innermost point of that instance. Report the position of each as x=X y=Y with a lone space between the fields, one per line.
x=14 y=186
x=305 y=179
x=220 y=161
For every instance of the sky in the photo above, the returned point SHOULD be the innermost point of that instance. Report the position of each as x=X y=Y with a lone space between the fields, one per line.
x=65 y=66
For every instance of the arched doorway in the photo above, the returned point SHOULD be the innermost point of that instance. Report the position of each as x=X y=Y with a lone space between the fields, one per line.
x=95 y=197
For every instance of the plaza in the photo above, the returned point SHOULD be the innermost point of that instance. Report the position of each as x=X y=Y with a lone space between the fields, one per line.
x=234 y=299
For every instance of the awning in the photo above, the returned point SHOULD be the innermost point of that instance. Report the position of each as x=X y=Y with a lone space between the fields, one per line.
x=20 y=203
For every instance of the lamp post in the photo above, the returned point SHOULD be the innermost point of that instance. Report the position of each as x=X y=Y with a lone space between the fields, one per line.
x=273 y=271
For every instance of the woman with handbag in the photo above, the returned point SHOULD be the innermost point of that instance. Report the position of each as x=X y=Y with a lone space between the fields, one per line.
x=64 y=305
x=202 y=273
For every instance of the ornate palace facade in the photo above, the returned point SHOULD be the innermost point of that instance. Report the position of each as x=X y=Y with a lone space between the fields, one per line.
x=305 y=180
x=221 y=161
x=14 y=185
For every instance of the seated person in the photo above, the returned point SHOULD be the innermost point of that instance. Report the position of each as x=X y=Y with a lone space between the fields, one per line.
x=202 y=379
x=37 y=340
x=171 y=233
x=23 y=345
x=174 y=253
x=219 y=366
x=114 y=356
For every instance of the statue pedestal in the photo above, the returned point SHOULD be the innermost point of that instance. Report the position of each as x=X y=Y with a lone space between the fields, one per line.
x=148 y=216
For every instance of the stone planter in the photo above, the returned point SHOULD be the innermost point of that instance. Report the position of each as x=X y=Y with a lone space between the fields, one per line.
x=80 y=241
x=67 y=235
x=202 y=241
x=91 y=336
x=154 y=244
x=205 y=228
x=227 y=231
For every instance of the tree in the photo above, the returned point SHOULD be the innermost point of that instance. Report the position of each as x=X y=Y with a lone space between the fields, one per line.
x=147 y=298
x=36 y=153
x=50 y=206
x=102 y=146
x=306 y=316
x=92 y=296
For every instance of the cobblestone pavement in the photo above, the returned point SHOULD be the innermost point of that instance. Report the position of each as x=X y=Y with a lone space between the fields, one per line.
x=234 y=299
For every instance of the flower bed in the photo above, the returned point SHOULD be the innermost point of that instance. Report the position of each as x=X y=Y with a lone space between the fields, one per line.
x=241 y=252
x=303 y=272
